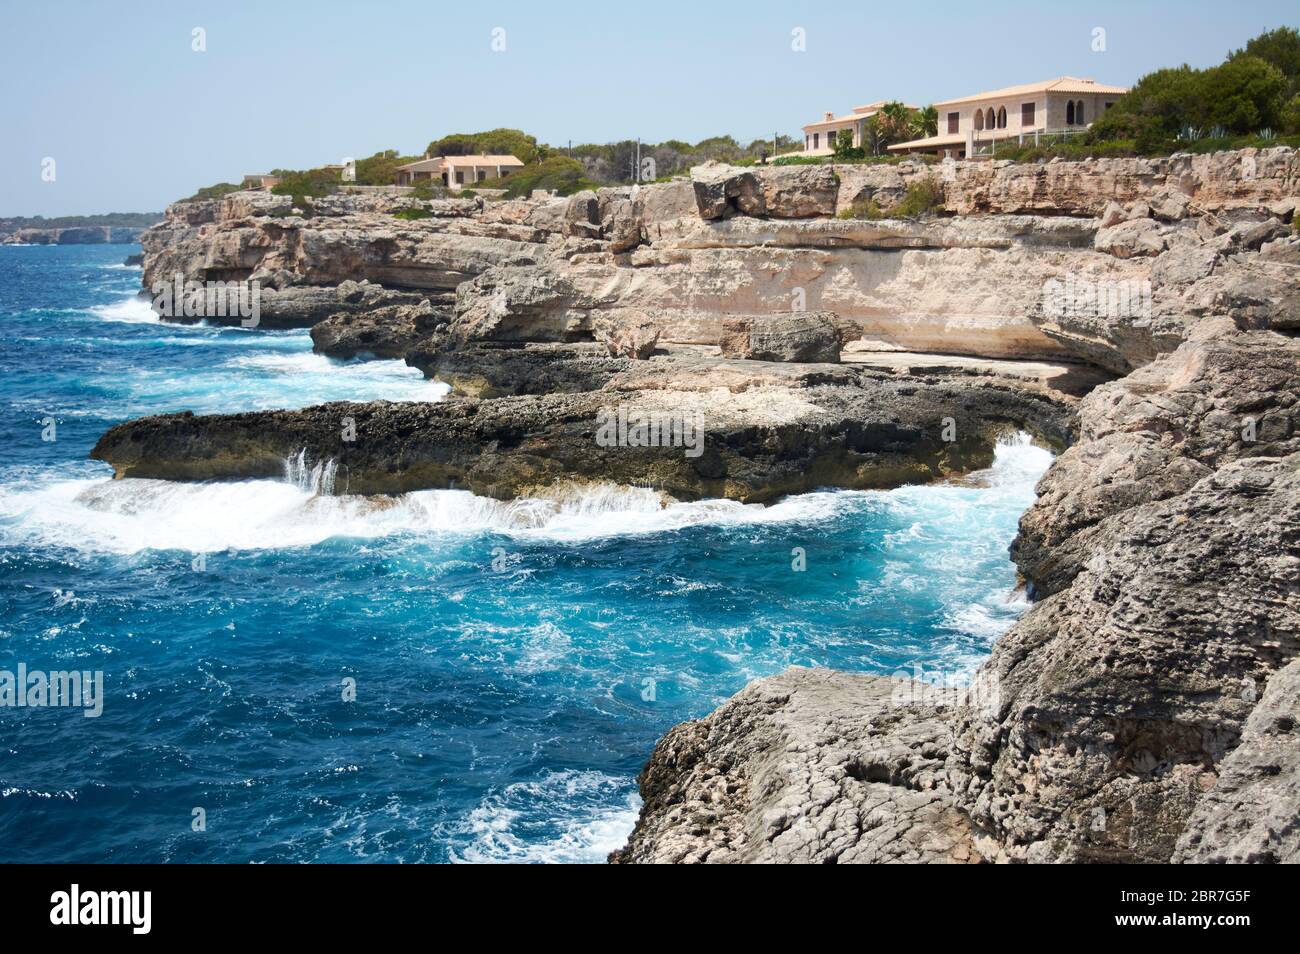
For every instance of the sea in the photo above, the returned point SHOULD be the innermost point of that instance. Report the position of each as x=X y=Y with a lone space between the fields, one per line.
x=292 y=675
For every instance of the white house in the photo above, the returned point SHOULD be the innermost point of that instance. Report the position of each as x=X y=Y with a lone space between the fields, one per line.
x=819 y=137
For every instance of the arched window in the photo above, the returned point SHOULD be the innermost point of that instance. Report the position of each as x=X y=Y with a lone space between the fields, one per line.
x=979 y=119
x=1002 y=117
x=1069 y=113
x=1078 y=112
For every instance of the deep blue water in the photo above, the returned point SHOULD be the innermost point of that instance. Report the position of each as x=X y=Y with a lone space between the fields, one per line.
x=514 y=664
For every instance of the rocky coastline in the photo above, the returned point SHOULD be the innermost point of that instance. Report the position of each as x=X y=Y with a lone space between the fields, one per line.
x=1137 y=315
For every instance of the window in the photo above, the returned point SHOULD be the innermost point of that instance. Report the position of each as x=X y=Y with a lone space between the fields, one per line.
x=989 y=119
x=1069 y=113
x=482 y=175
x=1078 y=113
x=979 y=119
x=1026 y=115
x=1002 y=117
x=1110 y=104
x=817 y=140
x=460 y=178
x=954 y=120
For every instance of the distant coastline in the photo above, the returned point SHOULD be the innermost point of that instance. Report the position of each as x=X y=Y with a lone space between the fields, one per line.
x=113 y=228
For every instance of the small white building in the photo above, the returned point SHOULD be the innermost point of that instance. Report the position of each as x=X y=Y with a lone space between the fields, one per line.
x=819 y=137
x=970 y=125
x=454 y=171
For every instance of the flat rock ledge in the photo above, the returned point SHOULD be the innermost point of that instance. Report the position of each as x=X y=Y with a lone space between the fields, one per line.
x=764 y=430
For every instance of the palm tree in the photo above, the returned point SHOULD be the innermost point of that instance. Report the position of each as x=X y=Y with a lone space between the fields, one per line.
x=925 y=122
x=893 y=124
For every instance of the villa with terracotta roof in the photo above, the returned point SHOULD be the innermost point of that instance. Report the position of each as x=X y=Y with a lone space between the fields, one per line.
x=819 y=137
x=455 y=171
x=973 y=125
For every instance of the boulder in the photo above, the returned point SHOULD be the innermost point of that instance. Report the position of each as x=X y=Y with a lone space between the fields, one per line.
x=722 y=190
x=1140 y=236
x=1170 y=205
x=582 y=215
x=798 y=192
x=1112 y=215
x=809 y=337
x=627 y=340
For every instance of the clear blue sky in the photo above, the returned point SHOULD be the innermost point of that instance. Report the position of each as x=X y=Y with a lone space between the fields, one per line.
x=134 y=118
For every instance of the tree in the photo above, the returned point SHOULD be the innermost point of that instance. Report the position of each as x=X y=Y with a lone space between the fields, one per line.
x=381 y=168
x=1279 y=48
x=1243 y=95
x=925 y=122
x=511 y=142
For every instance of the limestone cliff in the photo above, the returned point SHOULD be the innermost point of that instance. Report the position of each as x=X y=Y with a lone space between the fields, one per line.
x=1142 y=710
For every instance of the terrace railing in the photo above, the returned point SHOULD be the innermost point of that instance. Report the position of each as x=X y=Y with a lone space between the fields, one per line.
x=988 y=148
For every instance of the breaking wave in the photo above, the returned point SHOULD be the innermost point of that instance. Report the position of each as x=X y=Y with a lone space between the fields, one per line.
x=127 y=516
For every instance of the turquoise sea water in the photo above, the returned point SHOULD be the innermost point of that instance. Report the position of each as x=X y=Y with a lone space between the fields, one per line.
x=513 y=664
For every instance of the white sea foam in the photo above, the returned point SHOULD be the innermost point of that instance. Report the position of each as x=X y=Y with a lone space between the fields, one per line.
x=131 y=311
x=128 y=516
x=586 y=815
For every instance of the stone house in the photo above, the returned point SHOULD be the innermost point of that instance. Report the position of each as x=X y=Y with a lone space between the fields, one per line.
x=972 y=125
x=454 y=171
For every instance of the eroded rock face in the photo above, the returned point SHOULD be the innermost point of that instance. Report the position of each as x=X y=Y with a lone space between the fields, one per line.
x=1252 y=814
x=303 y=255
x=382 y=332
x=1156 y=433
x=1244 y=178
x=1123 y=693
x=1120 y=718
x=808 y=767
x=796 y=336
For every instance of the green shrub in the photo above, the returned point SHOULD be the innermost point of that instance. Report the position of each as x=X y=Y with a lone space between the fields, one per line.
x=561 y=173
x=307 y=185
x=412 y=212
x=214 y=191
x=863 y=209
x=923 y=196
x=381 y=168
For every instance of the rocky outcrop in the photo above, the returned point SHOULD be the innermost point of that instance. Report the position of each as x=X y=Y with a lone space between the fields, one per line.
x=1252 y=814
x=749 y=431
x=1155 y=434
x=797 y=336
x=731 y=242
x=297 y=256
x=381 y=331
x=1117 y=720
x=1215 y=182
x=808 y=767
